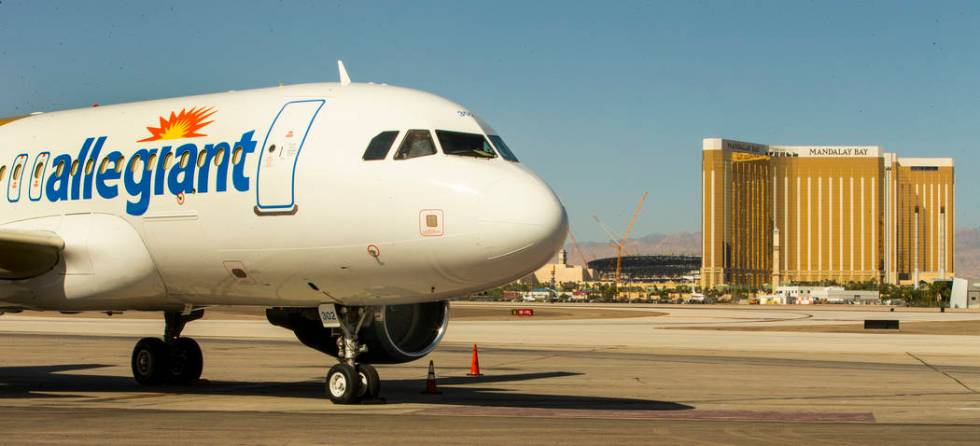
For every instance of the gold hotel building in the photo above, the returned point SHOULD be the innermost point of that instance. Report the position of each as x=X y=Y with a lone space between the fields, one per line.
x=808 y=214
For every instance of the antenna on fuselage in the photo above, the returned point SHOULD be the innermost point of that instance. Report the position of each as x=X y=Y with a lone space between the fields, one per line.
x=344 y=78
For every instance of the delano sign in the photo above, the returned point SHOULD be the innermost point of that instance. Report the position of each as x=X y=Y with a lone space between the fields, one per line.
x=739 y=146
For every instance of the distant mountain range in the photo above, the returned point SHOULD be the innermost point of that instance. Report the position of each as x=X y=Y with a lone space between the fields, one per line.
x=967 y=254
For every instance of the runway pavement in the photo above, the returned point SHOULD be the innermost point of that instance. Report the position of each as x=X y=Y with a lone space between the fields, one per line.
x=619 y=381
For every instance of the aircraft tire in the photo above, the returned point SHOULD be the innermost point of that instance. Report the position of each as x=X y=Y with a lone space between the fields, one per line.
x=342 y=384
x=187 y=362
x=151 y=361
x=370 y=386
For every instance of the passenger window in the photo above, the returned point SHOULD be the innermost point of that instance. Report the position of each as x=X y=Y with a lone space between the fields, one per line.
x=120 y=163
x=3 y=172
x=37 y=170
x=16 y=174
x=219 y=157
x=465 y=144
x=151 y=162
x=236 y=156
x=89 y=166
x=168 y=161
x=104 y=166
x=74 y=167
x=380 y=145
x=202 y=158
x=417 y=143
x=60 y=169
x=505 y=151
x=134 y=164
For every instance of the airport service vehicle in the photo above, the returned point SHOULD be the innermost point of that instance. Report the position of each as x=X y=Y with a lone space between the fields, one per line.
x=352 y=212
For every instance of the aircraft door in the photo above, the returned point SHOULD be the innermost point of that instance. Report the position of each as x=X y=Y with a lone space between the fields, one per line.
x=275 y=193
x=16 y=178
x=36 y=188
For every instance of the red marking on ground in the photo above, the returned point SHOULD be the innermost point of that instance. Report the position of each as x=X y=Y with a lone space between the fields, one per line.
x=694 y=414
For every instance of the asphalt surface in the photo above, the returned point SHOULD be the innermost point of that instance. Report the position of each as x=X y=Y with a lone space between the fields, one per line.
x=544 y=382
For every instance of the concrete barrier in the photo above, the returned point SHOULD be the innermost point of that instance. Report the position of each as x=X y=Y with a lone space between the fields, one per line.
x=880 y=324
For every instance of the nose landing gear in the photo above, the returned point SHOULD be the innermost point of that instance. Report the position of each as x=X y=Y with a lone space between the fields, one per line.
x=350 y=382
x=171 y=360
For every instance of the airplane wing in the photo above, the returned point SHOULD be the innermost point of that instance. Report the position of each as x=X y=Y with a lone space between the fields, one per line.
x=25 y=254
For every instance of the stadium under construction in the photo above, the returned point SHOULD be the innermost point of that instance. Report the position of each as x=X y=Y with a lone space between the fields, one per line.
x=649 y=268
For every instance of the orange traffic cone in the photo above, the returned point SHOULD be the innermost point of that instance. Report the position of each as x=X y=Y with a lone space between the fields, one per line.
x=475 y=364
x=430 y=381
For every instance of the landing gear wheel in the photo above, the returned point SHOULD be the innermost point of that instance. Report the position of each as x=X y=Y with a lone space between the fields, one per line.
x=151 y=361
x=370 y=386
x=343 y=384
x=187 y=362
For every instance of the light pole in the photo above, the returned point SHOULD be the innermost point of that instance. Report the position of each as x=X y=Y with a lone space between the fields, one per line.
x=915 y=250
x=942 y=242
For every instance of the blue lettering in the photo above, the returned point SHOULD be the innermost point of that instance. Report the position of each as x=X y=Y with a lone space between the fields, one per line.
x=77 y=174
x=89 y=175
x=141 y=178
x=161 y=172
x=139 y=189
x=57 y=185
x=109 y=174
x=248 y=146
x=181 y=177
x=203 y=174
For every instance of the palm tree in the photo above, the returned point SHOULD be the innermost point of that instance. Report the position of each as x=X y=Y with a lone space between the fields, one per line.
x=940 y=290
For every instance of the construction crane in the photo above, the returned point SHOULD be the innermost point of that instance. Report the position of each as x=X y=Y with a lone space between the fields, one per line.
x=626 y=235
x=613 y=239
x=581 y=258
x=620 y=245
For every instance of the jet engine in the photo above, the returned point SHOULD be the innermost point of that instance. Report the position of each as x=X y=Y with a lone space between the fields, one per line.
x=393 y=334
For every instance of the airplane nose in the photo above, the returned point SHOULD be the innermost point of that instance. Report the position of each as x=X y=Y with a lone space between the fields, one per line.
x=523 y=223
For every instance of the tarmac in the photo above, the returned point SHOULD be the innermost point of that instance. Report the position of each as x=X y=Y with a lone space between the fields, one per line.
x=671 y=374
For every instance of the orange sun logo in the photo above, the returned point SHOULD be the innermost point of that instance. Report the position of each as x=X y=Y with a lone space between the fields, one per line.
x=181 y=125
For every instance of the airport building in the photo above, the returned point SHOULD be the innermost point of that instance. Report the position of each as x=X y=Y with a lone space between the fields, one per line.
x=554 y=274
x=810 y=214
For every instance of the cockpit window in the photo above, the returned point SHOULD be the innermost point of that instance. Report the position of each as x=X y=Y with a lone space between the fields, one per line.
x=417 y=143
x=505 y=152
x=380 y=145
x=465 y=144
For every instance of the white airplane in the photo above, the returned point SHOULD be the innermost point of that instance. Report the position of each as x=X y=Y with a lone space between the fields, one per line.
x=352 y=212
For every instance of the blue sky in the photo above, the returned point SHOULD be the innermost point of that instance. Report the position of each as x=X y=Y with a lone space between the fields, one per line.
x=605 y=100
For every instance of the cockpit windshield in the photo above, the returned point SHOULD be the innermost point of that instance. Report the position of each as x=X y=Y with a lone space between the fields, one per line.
x=465 y=144
x=417 y=143
x=505 y=151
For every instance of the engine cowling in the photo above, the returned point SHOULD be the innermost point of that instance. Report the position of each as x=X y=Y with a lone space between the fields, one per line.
x=393 y=334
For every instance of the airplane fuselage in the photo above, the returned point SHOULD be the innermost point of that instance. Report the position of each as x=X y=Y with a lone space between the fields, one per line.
x=264 y=198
